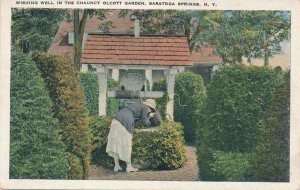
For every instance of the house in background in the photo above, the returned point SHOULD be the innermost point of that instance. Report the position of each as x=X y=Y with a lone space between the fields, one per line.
x=202 y=61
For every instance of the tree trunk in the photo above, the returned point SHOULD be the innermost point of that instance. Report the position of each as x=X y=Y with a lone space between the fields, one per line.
x=187 y=31
x=79 y=25
x=266 y=58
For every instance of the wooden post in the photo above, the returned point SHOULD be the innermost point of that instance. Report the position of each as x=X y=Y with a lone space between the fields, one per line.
x=148 y=75
x=170 y=75
x=115 y=74
x=101 y=71
x=84 y=68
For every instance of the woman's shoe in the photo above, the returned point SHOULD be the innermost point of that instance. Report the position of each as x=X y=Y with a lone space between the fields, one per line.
x=131 y=169
x=117 y=168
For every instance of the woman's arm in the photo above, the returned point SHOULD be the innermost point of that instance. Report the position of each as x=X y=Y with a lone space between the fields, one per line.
x=145 y=117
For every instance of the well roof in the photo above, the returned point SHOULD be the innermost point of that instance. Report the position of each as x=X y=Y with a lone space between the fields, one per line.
x=143 y=50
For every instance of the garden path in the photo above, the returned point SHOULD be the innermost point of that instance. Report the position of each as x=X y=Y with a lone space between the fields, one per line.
x=189 y=172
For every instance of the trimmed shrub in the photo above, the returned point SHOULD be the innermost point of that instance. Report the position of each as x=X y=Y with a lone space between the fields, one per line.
x=63 y=84
x=158 y=149
x=161 y=103
x=272 y=153
x=237 y=98
x=36 y=150
x=112 y=103
x=100 y=126
x=76 y=171
x=90 y=85
x=205 y=72
x=191 y=95
x=232 y=166
x=161 y=149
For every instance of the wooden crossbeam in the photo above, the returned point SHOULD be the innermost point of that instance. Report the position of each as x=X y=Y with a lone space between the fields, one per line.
x=139 y=94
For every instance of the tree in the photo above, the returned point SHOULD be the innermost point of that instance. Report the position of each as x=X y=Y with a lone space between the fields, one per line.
x=272 y=28
x=33 y=29
x=36 y=149
x=238 y=34
x=79 y=21
x=171 y=22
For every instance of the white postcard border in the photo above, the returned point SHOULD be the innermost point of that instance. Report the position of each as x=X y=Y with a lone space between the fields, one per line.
x=6 y=183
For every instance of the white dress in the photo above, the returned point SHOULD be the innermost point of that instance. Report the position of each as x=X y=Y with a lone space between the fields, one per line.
x=119 y=142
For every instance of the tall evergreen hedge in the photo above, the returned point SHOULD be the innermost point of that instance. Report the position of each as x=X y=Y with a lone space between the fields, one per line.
x=36 y=149
x=90 y=85
x=271 y=162
x=191 y=96
x=63 y=84
x=237 y=99
x=112 y=106
x=161 y=103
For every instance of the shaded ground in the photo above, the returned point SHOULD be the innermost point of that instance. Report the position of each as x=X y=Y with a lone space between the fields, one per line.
x=189 y=172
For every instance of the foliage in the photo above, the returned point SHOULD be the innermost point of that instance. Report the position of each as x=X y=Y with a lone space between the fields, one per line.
x=160 y=85
x=90 y=85
x=191 y=95
x=237 y=34
x=100 y=126
x=33 y=29
x=112 y=103
x=232 y=166
x=36 y=150
x=161 y=103
x=272 y=153
x=161 y=149
x=63 y=84
x=237 y=98
x=105 y=26
x=170 y=22
x=205 y=72
x=76 y=170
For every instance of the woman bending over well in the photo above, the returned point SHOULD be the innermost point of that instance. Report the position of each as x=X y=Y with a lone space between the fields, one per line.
x=119 y=145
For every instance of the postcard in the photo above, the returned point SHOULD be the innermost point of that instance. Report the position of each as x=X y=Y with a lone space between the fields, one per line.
x=185 y=94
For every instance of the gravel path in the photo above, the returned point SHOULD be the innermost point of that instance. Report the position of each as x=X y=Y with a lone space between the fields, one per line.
x=189 y=172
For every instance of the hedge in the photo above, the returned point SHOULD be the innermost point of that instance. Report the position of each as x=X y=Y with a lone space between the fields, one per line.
x=36 y=149
x=191 y=96
x=271 y=162
x=63 y=84
x=90 y=85
x=161 y=103
x=232 y=166
x=112 y=106
x=161 y=149
x=237 y=99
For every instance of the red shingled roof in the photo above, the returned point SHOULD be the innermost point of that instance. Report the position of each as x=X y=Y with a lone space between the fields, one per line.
x=143 y=50
x=205 y=55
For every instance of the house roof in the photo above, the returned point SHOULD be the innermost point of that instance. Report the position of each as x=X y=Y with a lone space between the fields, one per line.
x=143 y=50
x=60 y=45
x=205 y=55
